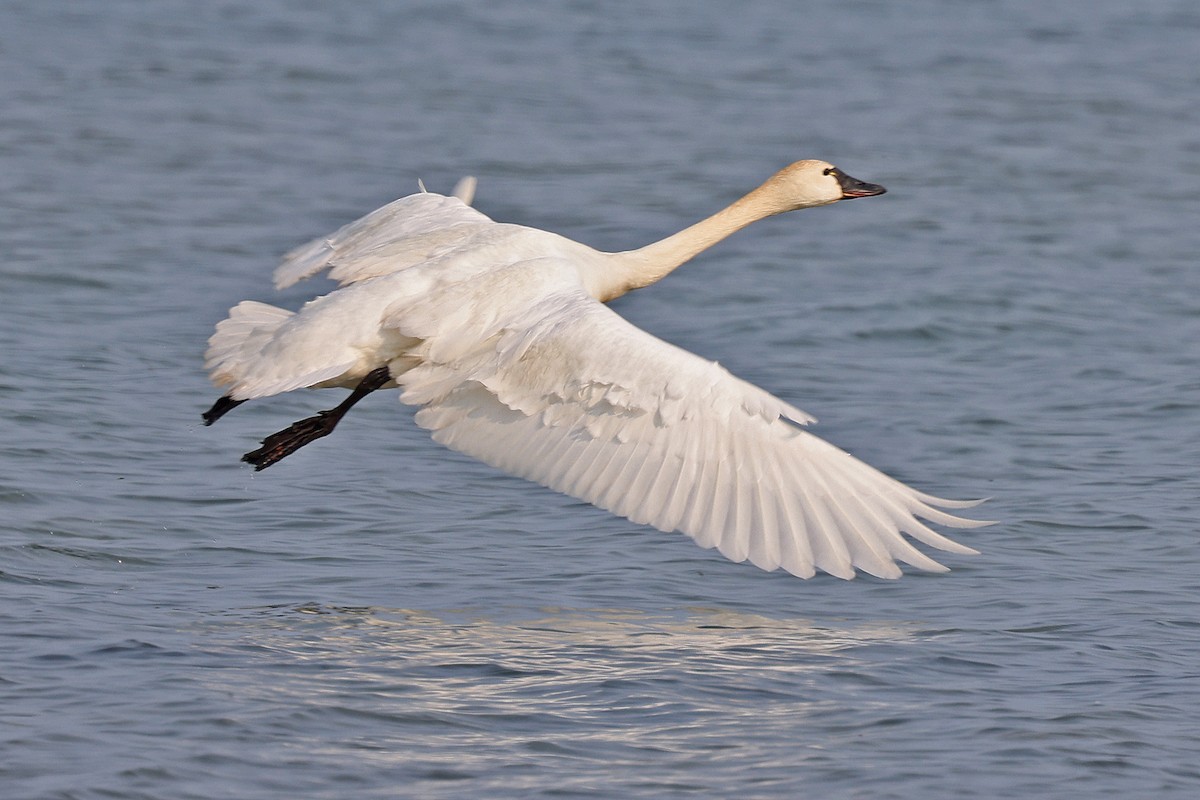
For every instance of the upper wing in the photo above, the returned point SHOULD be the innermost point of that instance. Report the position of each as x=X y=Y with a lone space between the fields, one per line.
x=570 y=395
x=404 y=233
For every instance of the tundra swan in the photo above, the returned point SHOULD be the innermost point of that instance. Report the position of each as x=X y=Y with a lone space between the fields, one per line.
x=499 y=333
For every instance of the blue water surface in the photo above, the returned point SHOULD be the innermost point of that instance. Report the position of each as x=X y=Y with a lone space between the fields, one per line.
x=1017 y=318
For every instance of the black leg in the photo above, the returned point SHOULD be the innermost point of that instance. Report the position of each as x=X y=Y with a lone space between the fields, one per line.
x=289 y=440
x=224 y=405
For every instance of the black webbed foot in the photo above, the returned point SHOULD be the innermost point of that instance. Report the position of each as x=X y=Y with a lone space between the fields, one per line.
x=224 y=405
x=287 y=441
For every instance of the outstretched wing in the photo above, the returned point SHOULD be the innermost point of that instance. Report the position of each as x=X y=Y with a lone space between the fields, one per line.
x=570 y=395
x=402 y=234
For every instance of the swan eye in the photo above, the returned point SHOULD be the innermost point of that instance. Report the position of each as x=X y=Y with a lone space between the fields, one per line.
x=829 y=170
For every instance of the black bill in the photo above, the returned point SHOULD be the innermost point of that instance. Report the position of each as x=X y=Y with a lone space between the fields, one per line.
x=853 y=187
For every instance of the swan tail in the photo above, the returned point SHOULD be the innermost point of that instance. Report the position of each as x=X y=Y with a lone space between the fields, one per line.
x=238 y=340
x=245 y=356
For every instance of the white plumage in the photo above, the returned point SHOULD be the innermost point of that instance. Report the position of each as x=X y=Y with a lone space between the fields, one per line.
x=499 y=334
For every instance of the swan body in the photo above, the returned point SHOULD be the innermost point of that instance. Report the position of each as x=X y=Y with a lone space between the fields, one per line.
x=499 y=334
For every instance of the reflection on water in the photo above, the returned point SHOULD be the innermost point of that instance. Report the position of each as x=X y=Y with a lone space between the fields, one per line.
x=453 y=694
x=564 y=646
x=608 y=627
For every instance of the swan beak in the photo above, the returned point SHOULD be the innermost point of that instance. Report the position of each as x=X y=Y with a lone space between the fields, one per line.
x=853 y=187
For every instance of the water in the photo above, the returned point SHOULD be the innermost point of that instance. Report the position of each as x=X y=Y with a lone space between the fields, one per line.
x=377 y=617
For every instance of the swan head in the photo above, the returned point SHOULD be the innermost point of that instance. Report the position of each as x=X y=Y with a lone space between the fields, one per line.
x=815 y=183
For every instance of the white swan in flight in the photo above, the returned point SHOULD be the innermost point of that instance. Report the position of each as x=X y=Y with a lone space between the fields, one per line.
x=500 y=333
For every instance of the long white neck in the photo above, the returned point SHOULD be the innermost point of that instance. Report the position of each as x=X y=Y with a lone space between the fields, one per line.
x=633 y=269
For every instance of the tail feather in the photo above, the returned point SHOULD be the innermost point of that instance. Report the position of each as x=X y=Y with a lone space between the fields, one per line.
x=236 y=357
x=249 y=326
